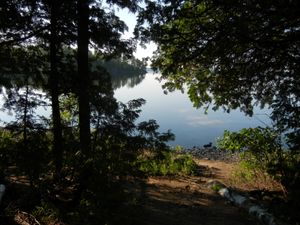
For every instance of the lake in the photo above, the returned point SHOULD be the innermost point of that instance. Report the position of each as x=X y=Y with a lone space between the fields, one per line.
x=174 y=111
x=192 y=127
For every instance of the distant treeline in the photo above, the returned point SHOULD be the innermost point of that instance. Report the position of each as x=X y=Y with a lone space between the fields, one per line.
x=124 y=67
x=125 y=71
x=120 y=70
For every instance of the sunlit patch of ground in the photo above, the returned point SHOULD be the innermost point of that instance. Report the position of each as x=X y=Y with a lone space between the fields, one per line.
x=186 y=200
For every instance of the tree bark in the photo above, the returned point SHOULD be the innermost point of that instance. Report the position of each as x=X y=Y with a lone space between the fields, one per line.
x=83 y=76
x=53 y=80
x=25 y=119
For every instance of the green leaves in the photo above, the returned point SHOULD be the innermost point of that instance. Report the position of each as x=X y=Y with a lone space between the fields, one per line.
x=169 y=163
x=255 y=140
x=231 y=54
x=261 y=149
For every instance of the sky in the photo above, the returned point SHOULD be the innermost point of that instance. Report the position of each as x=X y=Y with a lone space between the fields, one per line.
x=130 y=20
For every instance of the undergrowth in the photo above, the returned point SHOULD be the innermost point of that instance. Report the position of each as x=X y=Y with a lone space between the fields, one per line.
x=247 y=176
x=46 y=213
x=263 y=158
x=167 y=163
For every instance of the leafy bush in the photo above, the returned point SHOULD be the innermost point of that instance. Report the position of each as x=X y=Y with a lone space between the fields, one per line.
x=46 y=213
x=261 y=151
x=170 y=163
x=6 y=147
x=117 y=140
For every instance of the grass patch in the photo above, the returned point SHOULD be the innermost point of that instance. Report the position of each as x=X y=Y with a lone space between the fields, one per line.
x=248 y=176
x=46 y=213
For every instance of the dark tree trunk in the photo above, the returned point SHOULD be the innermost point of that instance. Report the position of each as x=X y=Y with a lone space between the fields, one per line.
x=25 y=118
x=83 y=76
x=83 y=94
x=57 y=129
x=25 y=127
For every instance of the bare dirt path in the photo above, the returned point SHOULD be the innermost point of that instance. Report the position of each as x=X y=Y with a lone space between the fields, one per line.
x=188 y=201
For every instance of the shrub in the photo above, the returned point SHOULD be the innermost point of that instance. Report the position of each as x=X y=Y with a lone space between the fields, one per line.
x=169 y=163
x=6 y=147
x=46 y=213
x=262 y=152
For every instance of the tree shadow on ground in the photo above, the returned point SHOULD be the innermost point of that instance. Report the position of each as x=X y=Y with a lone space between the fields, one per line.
x=180 y=201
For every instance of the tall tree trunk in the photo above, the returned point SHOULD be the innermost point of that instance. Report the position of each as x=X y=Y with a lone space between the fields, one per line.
x=25 y=119
x=25 y=127
x=57 y=128
x=83 y=94
x=83 y=76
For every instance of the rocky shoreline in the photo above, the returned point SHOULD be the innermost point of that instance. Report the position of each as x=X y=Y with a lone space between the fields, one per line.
x=212 y=153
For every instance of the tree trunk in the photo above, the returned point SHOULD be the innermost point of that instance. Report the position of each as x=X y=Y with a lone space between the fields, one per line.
x=25 y=119
x=83 y=76
x=83 y=94
x=57 y=129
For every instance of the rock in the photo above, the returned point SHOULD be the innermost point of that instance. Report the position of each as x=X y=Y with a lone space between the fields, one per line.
x=212 y=153
x=241 y=201
x=234 y=197
x=208 y=145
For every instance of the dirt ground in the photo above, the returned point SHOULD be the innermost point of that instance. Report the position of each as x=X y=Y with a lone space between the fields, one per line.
x=187 y=200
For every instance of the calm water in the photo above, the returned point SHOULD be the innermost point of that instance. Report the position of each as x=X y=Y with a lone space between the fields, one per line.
x=175 y=112
x=192 y=127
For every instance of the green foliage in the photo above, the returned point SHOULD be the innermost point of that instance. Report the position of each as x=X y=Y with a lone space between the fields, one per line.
x=169 y=163
x=46 y=213
x=117 y=140
x=261 y=152
x=262 y=144
x=20 y=66
x=92 y=176
x=216 y=187
x=30 y=144
x=33 y=159
x=247 y=171
x=6 y=149
x=229 y=54
x=69 y=110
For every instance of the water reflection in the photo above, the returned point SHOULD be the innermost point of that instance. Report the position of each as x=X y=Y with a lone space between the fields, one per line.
x=130 y=80
x=192 y=127
x=174 y=111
